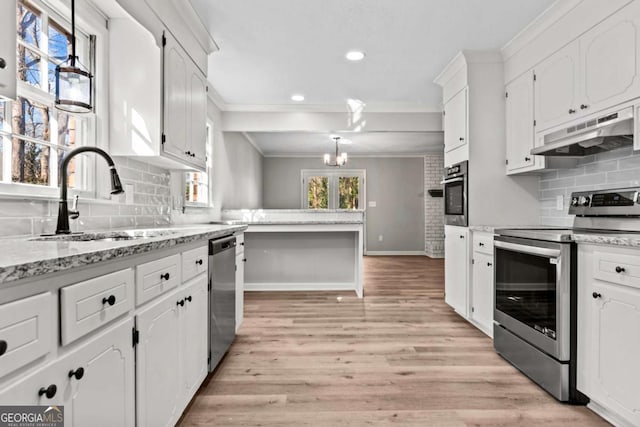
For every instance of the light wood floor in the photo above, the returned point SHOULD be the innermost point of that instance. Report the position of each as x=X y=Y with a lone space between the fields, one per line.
x=400 y=356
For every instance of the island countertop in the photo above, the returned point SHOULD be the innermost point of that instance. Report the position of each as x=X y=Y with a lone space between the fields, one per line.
x=25 y=257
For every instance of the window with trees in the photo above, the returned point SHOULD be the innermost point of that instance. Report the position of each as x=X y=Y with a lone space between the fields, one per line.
x=34 y=136
x=328 y=189
x=197 y=186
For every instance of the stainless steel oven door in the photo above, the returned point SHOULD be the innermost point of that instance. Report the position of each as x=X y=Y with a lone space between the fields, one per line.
x=532 y=292
x=455 y=201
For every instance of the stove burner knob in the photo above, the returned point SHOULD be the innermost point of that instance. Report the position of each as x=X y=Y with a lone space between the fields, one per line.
x=574 y=201
x=584 y=201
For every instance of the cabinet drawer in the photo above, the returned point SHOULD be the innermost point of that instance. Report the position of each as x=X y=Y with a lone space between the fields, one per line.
x=617 y=268
x=156 y=277
x=194 y=262
x=25 y=331
x=483 y=243
x=88 y=305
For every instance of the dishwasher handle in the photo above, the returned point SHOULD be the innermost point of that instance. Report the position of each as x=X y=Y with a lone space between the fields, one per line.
x=221 y=244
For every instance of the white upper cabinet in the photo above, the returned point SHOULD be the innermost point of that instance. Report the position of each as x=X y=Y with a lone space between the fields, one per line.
x=455 y=122
x=610 y=60
x=556 y=87
x=8 y=49
x=597 y=71
x=520 y=126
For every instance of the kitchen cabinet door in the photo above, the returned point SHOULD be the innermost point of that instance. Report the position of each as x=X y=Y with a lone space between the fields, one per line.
x=456 y=262
x=520 y=131
x=482 y=291
x=615 y=349
x=158 y=364
x=239 y=289
x=194 y=336
x=455 y=122
x=8 y=49
x=556 y=88
x=610 y=61
x=104 y=395
x=31 y=390
x=197 y=131
x=176 y=82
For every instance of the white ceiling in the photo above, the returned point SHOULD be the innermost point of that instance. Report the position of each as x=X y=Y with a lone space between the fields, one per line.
x=363 y=143
x=271 y=49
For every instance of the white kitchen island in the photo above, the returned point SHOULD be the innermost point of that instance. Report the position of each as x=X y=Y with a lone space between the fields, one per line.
x=301 y=250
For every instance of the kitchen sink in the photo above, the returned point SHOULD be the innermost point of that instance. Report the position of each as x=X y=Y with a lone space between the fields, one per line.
x=107 y=236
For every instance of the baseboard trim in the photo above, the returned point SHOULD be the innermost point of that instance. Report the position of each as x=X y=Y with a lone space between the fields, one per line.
x=609 y=415
x=335 y=286
x=396 y=253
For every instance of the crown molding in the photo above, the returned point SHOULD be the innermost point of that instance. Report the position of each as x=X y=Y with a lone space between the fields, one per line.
x=253 y=142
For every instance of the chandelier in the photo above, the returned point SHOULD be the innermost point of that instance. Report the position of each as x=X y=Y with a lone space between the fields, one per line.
x=340 y=159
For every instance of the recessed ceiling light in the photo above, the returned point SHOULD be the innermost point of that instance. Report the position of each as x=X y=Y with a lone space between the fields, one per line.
x=297 y=98
x=355 y=55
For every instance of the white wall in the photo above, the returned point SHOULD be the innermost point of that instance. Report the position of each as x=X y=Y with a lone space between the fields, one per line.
x=395 y=184
x=240 y=175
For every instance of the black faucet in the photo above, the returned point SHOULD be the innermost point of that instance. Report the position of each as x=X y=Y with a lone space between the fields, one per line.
x=63 y=210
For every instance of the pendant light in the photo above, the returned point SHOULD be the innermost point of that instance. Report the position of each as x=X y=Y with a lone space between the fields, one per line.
x=340 y=160
x=74 y=83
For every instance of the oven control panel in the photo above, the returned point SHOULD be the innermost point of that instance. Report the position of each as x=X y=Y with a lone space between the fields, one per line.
x=623 y=202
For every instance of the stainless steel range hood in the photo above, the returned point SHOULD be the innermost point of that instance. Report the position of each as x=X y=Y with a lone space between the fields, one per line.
x=603 y=133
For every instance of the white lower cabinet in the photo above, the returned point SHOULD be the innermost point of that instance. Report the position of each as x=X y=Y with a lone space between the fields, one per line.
x=172 y=353
x=456 y=267
x=94 y=382
x=482 y=292
x=609 y=334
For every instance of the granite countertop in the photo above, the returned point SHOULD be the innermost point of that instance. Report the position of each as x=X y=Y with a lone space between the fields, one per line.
x=493 y=228
x=25 y=257
x=288 y=222
x=622 y=239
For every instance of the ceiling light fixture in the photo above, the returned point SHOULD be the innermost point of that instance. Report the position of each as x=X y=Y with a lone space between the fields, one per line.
x=74 y=83
x=355 y=55
x=340 y=159
x=297 y=98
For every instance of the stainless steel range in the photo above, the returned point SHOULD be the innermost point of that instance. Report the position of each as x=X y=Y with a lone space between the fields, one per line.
x=536 y=289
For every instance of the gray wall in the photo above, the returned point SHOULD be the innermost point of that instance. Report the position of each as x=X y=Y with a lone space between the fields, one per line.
x=395 y=184
x=612 y=169
x=238 y=169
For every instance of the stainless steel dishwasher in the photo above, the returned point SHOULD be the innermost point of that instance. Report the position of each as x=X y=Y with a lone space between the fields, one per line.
x=222 y=297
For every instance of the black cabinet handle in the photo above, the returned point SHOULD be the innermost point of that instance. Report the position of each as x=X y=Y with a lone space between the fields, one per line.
x=596 y=295
x=244 y=260
x=462 y=236
x=189 y=298
x=584 y=107
x=3 y=64
x=78 y=373
x=480 y=244
x=3 y=347
x=571 y=111
x=165 y=276
x=461 y=139
x=620 y=269
x=49 y=391
x=527 y=159
x=199 y=262
x=180 y=303
x=111 y=300
x=489 y=264
x=242 y=244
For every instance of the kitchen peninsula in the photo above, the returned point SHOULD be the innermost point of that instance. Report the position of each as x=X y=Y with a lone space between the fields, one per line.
x=301 y=250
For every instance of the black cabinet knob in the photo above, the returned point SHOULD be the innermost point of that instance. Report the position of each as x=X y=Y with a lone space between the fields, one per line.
x=571 y=111
x=620 y=269
x=78 y=373
x=480 y=244
x=165 y=276
x=3 y=347
x=110 y=300
x=584 y=107
x=244 y=260
x=199 y=262
x=180 y=303
x=49 y=392
x=189 y=298
x=527 y=159
x=489 y=264
x=3 y=64
x=461 y=139
x=462 y=236
x=242 y=244
x=596 y=295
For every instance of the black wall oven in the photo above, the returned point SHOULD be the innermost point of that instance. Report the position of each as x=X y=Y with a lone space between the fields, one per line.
x=456 y=207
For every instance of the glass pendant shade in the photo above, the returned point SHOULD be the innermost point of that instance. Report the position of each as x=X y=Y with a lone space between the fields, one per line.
x=340 y=159
x=73 y=88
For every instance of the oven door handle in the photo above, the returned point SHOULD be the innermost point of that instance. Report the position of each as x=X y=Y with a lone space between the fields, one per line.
x=448 y=181
x=532 y=250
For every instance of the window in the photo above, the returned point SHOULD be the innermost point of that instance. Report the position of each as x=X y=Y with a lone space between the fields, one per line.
x=329 y=189
x=34 y=136
x=196 y=190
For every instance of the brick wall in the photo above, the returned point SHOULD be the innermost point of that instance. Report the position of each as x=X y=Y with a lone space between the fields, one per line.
x=433 y=206
x=151 y=207
x=612 y=169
